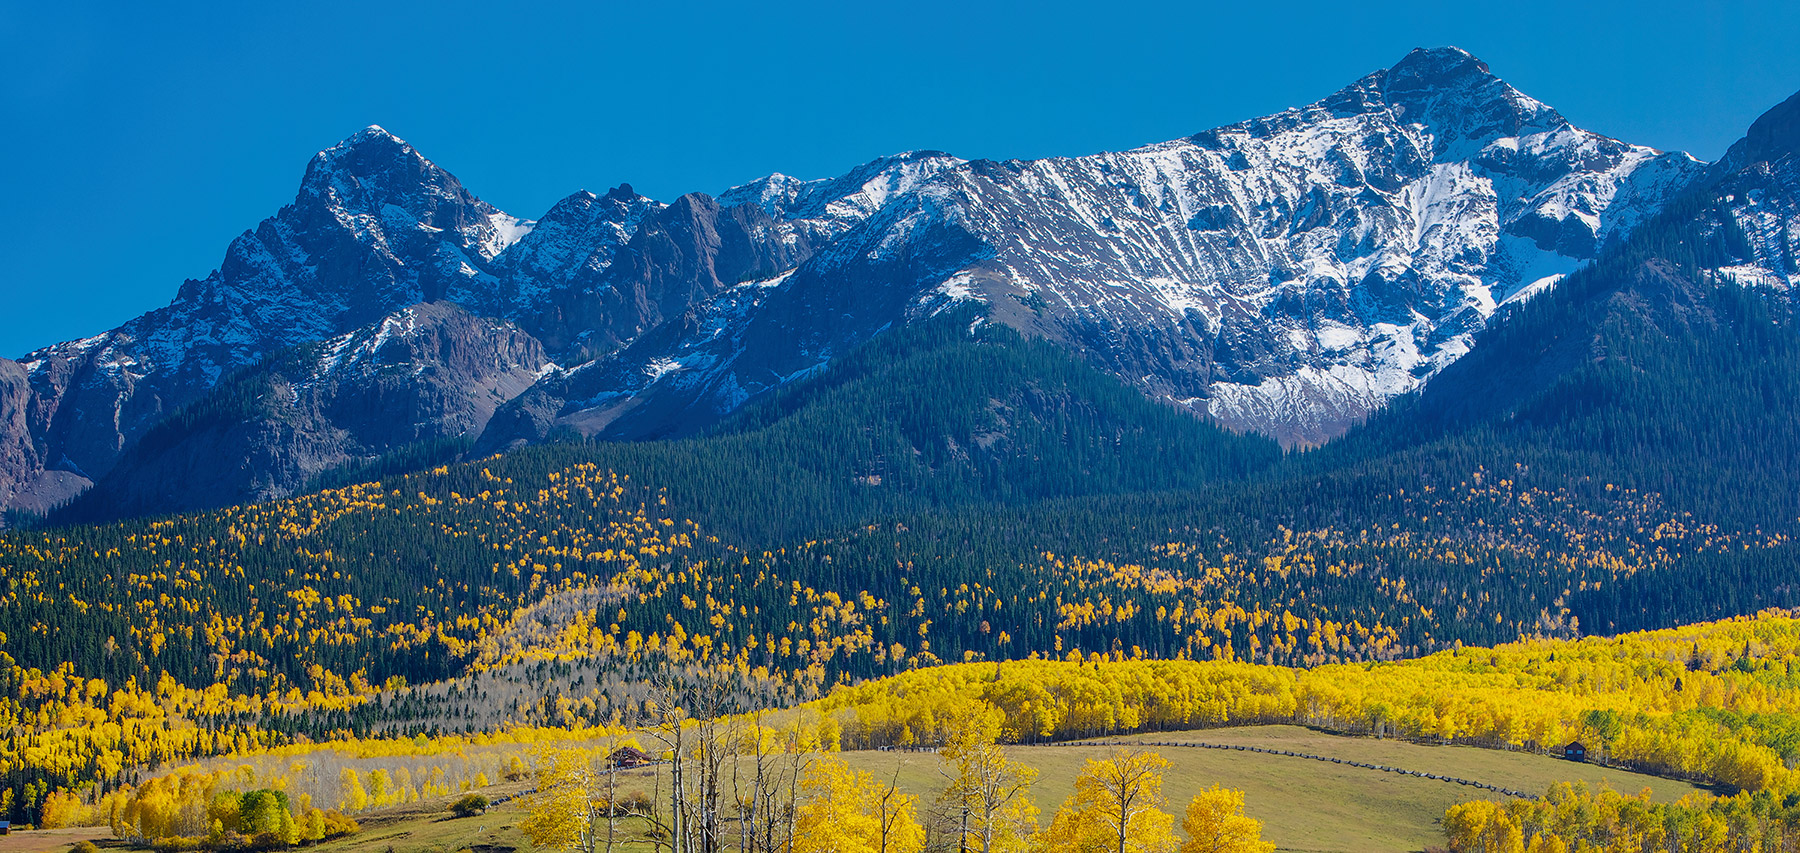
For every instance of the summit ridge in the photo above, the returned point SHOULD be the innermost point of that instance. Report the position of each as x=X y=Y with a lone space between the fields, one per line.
x=1288 y=274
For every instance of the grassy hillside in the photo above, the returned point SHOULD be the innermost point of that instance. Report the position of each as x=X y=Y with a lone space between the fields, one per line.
x=1305 y=806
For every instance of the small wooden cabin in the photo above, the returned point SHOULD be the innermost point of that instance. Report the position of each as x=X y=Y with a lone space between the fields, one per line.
x=1575 y=751
x=628 y=757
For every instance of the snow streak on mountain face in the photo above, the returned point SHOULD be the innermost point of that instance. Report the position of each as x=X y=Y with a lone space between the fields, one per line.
x=1287 y=274
x=1759 y=180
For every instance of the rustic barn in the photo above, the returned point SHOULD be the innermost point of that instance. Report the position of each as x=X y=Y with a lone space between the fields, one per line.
x=628 y=757
x=1575 y=751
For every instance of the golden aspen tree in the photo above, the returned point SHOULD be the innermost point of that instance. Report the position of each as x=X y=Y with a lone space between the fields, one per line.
x=1117 y=808
x=381 y=787
x=849 y=811
x=1215 y=823
x=896 y=819
x=313 y=827
x=560 y=808
x=352 y=797
x=576 y=805
x=989 y=795
x=829 y=819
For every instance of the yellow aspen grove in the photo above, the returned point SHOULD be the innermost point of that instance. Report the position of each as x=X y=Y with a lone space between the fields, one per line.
x=64 y=809
x=1483 y=827
x=847 y=811
x=1575 y=817
x=1216 y=823
x=577 y=806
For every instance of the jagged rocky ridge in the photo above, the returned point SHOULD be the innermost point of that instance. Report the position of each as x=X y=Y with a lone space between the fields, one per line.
x=374 y=227
x=1759 y=179
x=429 y=371
x=1287 y=275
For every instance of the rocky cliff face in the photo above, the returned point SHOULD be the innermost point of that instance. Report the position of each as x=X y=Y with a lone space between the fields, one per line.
x=17 y=454
x=425 y=372
x=1759 y=181
x=678 y=255
x=1287 y=275
x=568 y=251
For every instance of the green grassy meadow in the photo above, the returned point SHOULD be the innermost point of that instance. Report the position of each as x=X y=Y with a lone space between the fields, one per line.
x=1305 y=805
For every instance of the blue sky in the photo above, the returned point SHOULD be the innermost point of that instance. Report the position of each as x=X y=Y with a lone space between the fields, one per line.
x=141 y=138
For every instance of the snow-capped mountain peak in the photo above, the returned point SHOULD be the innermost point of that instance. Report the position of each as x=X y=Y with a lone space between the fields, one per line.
x=1459 y=100
x=374 y=181
x=1285 y=274
x=374 y=226
x=827 y=207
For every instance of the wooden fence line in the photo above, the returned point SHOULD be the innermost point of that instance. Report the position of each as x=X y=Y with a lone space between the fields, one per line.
x=1381 y=767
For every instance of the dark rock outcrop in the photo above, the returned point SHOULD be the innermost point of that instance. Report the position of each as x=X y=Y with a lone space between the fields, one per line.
x=426 y=372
